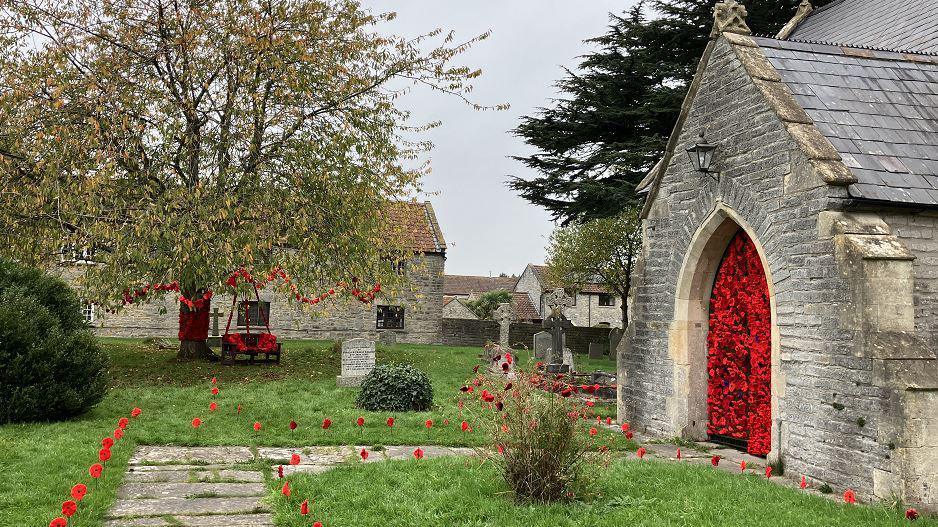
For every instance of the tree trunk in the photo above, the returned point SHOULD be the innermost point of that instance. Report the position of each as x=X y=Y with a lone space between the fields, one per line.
x=193 y=332
x=625 y=312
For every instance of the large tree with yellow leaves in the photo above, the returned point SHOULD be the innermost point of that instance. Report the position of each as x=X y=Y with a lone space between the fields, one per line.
x=183 y=140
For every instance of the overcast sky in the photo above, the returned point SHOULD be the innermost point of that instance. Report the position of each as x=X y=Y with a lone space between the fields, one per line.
x=488 y=228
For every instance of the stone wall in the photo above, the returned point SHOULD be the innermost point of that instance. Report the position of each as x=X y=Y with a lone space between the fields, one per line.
x=827 y=406
x=334 y=319
x=476 y=333
x=587 y=312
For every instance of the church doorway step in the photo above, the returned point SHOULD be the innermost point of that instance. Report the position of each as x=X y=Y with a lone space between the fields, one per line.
x=739 y=351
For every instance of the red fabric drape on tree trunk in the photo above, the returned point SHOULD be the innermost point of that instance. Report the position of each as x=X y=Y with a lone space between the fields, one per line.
x=193 y=323
x=739 y=349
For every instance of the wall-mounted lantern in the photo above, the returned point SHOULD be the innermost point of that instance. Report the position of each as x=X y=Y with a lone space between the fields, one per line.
x=701 y=155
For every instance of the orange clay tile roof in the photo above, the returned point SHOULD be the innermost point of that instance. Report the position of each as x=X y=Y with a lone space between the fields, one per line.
x=420 y=226
x=455 y=284
x=523 y=307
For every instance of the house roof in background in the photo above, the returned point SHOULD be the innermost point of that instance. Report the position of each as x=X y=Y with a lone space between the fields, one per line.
x=419 y=225
x=879 y=110
x=541 y=271
x=523 y=307
x=462 y=285
x=898 y=25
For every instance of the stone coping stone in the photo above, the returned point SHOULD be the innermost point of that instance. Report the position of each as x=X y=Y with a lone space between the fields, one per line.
x=188 y=490
x=182 y=468
x=308 y=455
x=302 y=469
x=149 y=455
x=187 y=506
x=185 y=476
x=236 y=520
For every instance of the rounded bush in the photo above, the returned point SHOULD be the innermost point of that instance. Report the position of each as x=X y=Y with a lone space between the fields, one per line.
x=396 y=388
x=51 y=366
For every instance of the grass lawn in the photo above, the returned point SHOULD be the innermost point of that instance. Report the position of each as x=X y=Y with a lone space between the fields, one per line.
x=454 y=492
x=40 y=462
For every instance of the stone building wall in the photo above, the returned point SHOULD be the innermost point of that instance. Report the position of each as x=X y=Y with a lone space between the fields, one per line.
x=528 y=283
x=588 y=313
x=339 y=318
x=827 y=407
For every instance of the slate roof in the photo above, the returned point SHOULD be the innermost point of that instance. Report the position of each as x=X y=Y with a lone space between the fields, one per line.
x=898 y=25
x=879 y=109
x=540 y=272
x=464 y=285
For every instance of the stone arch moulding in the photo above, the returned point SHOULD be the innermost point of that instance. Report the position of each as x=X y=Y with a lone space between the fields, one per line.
x=687 y=334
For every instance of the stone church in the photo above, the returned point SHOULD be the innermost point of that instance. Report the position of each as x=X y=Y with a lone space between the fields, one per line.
x=786 y=297
x=415 y=317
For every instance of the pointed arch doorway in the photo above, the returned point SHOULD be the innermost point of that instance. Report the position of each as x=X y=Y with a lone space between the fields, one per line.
x=739 y=347
x=723 y=398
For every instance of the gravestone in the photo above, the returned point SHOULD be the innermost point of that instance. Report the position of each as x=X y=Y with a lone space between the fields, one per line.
x=358 y=359
x=503 y=315
x=597 y=350
x=557 y=323
x=568 y=359
x=214 y=338
x=541 y=345
x=387 y=338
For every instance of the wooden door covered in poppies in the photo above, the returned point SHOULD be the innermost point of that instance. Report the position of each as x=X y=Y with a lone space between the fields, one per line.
x=739 y=347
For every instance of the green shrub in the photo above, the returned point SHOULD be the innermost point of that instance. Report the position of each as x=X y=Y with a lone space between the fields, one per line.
x=51 y=366
x=396 y=388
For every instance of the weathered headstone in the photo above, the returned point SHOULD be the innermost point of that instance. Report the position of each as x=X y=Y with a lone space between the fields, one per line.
x=568 y=359
x=615 y=335
x=358 y=359
x=557 y=324
x=214 y=338
x=542 y=342
x=503 y=315
x=597 y=350
x=501 y=360
x=387 y=338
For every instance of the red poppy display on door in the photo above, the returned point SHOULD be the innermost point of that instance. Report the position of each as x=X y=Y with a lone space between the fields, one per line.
x=739 y=349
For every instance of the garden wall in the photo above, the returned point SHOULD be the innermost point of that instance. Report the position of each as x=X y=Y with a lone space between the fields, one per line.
x=465 y=332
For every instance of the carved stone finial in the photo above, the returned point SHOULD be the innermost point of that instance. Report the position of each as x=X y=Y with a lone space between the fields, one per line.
x=804 y=9
x=729 y=16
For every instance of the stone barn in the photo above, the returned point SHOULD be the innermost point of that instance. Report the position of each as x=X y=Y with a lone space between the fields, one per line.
x=786 y=298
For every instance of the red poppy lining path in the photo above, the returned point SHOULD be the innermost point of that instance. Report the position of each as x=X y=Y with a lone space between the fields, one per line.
x=158 y=483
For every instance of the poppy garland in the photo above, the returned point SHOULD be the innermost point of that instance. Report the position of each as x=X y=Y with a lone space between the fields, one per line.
x=739 y=349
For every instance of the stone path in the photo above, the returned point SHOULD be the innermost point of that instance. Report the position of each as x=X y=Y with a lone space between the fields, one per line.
x=225 y=486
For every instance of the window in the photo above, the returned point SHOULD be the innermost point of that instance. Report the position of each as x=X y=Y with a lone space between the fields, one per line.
x=390 y=317
x=88 y=311
x=253 y=312
x=607 y=300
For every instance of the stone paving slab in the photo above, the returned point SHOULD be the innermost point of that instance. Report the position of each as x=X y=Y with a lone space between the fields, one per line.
x=178 y=467
x=194 y=475
x=309 y=454
x=229 y=520
x=153 y=455
x=189 y=490
x=186 y=506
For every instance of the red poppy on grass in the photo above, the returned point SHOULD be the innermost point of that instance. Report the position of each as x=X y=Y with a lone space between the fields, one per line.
x=501 y=449
x=122 y=423
x=715 y=461
x=911 y=514
x=593 y=431
x=214 y=390
x=317 y=524
x=212 y=406
x=257 y=426
x=118 y=433
x=104 y=454
x=507 y=387
x=804 y=483
x=360 y=421
x=390 y=422
x=850 y=497
x=567 y=392
x=79 y=491
x=293 y=425
x=505 y=366
x=641 y=452
x=239 y=409
x=499 y=405
x=679 y=453
x=742 y=466
x=428 y=423
x=768 y=472
x=326 y=423
x=196 y=422
x=58 y=522
x=418 y=454
x=445 y=422
x=280 y=471
x=135 y=412
x=364 y=455
x=464 y=426
x=214 y=380
x=608 y=420
x=286 y=489
x=295 y=459
x=69 y=508
x=464 y=389
x=625 y=427
x=95 y=470
x=107 y=442
x=629 y=435
x=304 y=507
x=590 y=403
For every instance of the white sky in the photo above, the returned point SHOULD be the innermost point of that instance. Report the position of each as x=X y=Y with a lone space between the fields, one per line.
x=488 y=228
